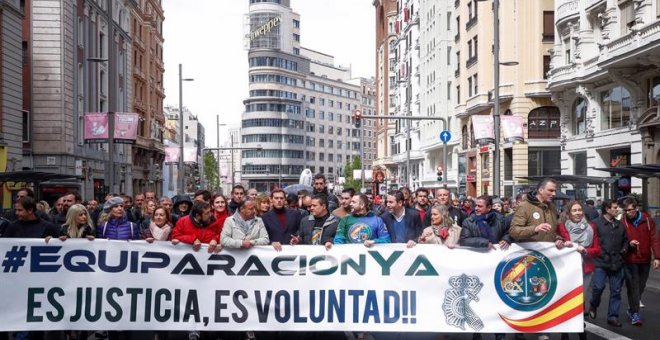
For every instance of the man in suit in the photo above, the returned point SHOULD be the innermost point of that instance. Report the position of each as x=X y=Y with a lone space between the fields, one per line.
x=281 y=222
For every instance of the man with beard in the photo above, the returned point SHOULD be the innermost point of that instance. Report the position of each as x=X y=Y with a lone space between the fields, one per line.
x=237 y=197
x=443 y=196
x=281 y=222
x=403 y=224
x=28 y=224
x=68 y=200
x=344 y=203
x=321 y=188
x=361 y=226
x=422 y=202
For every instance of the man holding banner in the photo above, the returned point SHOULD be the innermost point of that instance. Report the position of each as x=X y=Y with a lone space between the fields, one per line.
x=361 y=226
x=318 y=228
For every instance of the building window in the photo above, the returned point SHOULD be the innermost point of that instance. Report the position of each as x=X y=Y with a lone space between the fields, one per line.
x=296 y=37
x=26 y=126
x=458 y=93
x=543 y=123
x=508 y=164
x=548 y=26
x=544 y=162
x=616 y=106
x=296 y=23
x=580 y=116
x=627 y=14
x=546 y=66
x=580 y=164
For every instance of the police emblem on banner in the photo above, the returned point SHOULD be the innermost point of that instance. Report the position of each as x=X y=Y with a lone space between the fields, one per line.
x=526 y=280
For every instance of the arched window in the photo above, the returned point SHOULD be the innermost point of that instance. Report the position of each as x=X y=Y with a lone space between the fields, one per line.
x=616 y=105
x=580 y=116
x=464 y=137
x=473 y=143
x=543 y=122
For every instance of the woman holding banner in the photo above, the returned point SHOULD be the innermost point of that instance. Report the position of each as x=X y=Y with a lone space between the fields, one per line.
x=576 y=230
x=159 y=227
x=78 y=224
x=443 y=230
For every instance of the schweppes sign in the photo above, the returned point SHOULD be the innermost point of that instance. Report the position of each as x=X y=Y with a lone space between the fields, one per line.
x=265 y=28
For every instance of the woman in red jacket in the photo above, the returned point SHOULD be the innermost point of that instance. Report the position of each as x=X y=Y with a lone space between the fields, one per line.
x=575 y=230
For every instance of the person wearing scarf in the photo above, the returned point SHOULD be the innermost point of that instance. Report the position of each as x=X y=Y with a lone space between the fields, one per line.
x=485 y=228
x=576 y=231
x=159 y=228
x=244 y=229
x=442 y=230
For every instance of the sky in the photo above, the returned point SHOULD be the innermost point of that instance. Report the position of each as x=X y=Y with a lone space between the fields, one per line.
x=206 y=37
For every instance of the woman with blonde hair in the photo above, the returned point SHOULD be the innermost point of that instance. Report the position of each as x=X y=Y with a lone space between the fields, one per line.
x=78 y=223
x=263 y=204
x=442 y=229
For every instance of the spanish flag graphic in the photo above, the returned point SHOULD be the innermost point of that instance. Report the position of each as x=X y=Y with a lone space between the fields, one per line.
x=569 y=306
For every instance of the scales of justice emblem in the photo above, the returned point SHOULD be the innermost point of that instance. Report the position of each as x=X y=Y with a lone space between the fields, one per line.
x=526 y=280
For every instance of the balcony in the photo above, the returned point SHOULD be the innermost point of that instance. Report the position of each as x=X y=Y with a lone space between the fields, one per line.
x=470 y=23
x=569 y=8
x=471 y=62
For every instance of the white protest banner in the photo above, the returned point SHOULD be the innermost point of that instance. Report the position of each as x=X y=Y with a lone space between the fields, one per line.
x=121 y=285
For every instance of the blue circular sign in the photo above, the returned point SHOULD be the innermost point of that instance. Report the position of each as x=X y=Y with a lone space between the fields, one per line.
x=525 y=280
x=445 y=136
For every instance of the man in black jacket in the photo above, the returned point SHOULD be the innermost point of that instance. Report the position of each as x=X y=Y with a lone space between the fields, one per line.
x=237 y=197
x=443 y=196
x=28 y=224
x=609 y=264
x=321 y=187
x=403 y=224
x=319 y=227
x=485 y=228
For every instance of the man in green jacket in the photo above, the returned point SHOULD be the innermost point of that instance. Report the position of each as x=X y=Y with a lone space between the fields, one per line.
x=535 y=220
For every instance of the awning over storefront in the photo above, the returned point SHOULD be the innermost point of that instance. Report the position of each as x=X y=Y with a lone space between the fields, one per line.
x=573 y=179
x=637 y=170
x=31 y=176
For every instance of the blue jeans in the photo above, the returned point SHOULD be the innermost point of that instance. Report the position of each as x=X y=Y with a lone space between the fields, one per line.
x=600 y=278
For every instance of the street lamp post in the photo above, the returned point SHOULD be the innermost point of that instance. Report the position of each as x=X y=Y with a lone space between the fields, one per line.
x=496 y=99
x=181 y=139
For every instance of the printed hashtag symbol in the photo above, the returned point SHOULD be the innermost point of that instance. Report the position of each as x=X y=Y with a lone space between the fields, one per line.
x=14 y=259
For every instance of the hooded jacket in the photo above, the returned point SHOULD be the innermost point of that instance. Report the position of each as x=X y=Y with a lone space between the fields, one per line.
x=530 y=214
x=178 y=199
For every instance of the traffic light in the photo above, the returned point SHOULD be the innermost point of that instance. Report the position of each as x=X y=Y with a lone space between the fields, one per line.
x=439 y=172
x=357 y=116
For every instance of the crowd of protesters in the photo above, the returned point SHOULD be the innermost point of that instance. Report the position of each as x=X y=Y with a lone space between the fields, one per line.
x=618 y=241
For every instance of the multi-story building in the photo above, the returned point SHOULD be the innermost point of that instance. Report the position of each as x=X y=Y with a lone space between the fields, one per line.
x=405 y=142
x=385 y=82
x=368 y=126
x=171 y=139
x=70 y=50
x=526 y=36
x=148 y=94
x=436 y=39
x=12 y=131
x=299 y=112
x=193 y=144
x=604 y=82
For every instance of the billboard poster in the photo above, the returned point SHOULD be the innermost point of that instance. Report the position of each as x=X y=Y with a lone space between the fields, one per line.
x=96 y=127
x=126 y=126
x=483 y=129
x=512 y=126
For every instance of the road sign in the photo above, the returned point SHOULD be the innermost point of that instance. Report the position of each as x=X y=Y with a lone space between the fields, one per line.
x=445 y=136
